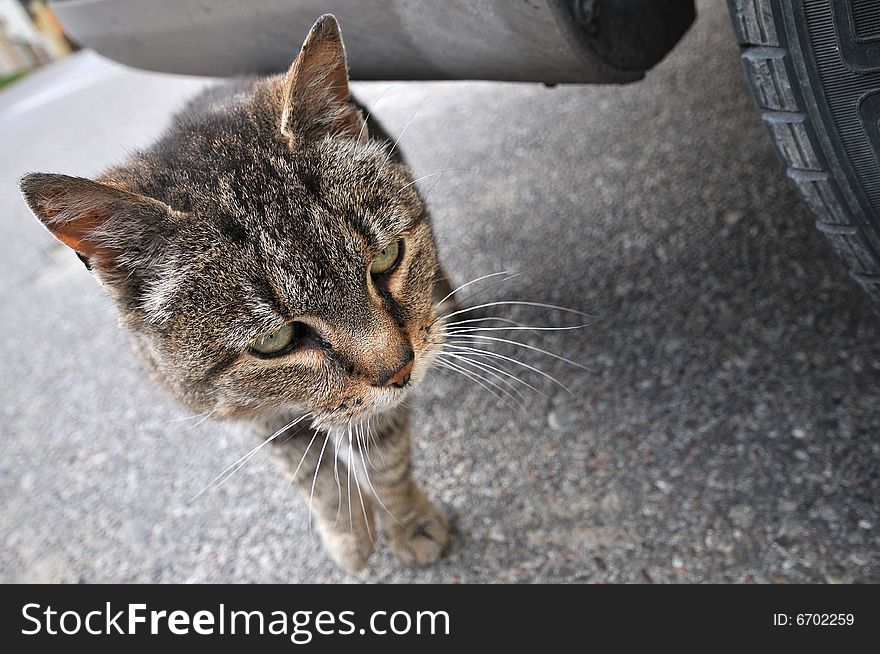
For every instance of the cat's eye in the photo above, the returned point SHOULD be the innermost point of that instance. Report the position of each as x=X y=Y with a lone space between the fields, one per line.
x=387 y=259
x=280 y=341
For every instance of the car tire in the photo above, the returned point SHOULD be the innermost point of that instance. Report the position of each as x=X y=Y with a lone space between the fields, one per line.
x=814 y=70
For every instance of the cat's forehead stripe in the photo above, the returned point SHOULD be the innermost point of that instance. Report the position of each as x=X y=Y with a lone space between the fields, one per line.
x=267 y=295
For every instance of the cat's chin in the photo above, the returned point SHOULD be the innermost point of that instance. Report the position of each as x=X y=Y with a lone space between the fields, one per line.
x=392 y=400
x=375 y=407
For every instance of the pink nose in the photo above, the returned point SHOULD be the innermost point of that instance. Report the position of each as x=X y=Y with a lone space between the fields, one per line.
x=401 y=378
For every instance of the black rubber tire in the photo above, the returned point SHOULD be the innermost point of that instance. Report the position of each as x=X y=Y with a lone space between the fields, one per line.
x=814 y=69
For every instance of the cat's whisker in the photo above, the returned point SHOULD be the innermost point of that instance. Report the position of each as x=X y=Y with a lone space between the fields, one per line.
x=336 y=476
x=482 y=382
x=350 y=516
x=498 y=370
x=370 y=483
x=293 y=435
x=205 y=417
x=201 y=417
x=494 y=355
x=478 y=292
x=445 y=170
x=335 y=462
x=363 y=432
x=232 y=468
x=370 y=112
x=373 y=441
x=298 y=466
x=443 y=365
x=473 y=320
x=474 y=281
x=315 y=479
x=460 y=360
x=518 y=303
x=439 y=177
x=533 y=328
x=495 y=339
x=405 y=127
x=185 y=418
x=361 y=496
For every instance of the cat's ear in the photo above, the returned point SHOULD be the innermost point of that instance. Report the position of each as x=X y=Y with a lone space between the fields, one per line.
x=103 y=224
x=316 y=96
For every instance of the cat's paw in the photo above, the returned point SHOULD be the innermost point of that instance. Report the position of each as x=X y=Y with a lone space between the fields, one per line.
x=349 y=544
x=421 y=538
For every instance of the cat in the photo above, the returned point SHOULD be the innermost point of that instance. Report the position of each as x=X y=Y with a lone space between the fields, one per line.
x=273 y=260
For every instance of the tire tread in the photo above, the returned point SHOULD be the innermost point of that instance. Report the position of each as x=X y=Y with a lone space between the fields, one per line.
x=773 y=88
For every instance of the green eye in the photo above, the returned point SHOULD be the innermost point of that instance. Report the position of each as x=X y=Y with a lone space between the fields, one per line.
x=386 y=259
x=274 y=342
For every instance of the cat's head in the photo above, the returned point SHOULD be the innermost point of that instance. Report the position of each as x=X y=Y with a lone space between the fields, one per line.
x=266 y=253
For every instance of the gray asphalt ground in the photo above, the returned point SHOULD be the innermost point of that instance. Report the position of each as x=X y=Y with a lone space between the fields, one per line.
x=728 y=429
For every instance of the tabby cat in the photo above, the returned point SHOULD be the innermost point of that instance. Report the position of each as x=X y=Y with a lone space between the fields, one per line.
x=273 y=261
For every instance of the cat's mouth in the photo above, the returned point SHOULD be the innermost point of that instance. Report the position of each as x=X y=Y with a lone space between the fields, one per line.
x=373 y=401
x=361 y=409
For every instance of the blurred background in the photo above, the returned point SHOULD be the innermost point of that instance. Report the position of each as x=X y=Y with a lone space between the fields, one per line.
x=727 y=430
x=30 y=37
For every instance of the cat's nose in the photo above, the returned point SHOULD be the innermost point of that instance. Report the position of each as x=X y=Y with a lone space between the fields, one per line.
x=400 y=378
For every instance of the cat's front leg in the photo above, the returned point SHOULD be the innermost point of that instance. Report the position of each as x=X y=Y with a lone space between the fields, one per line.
x=416 y=530
x=338 y=506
